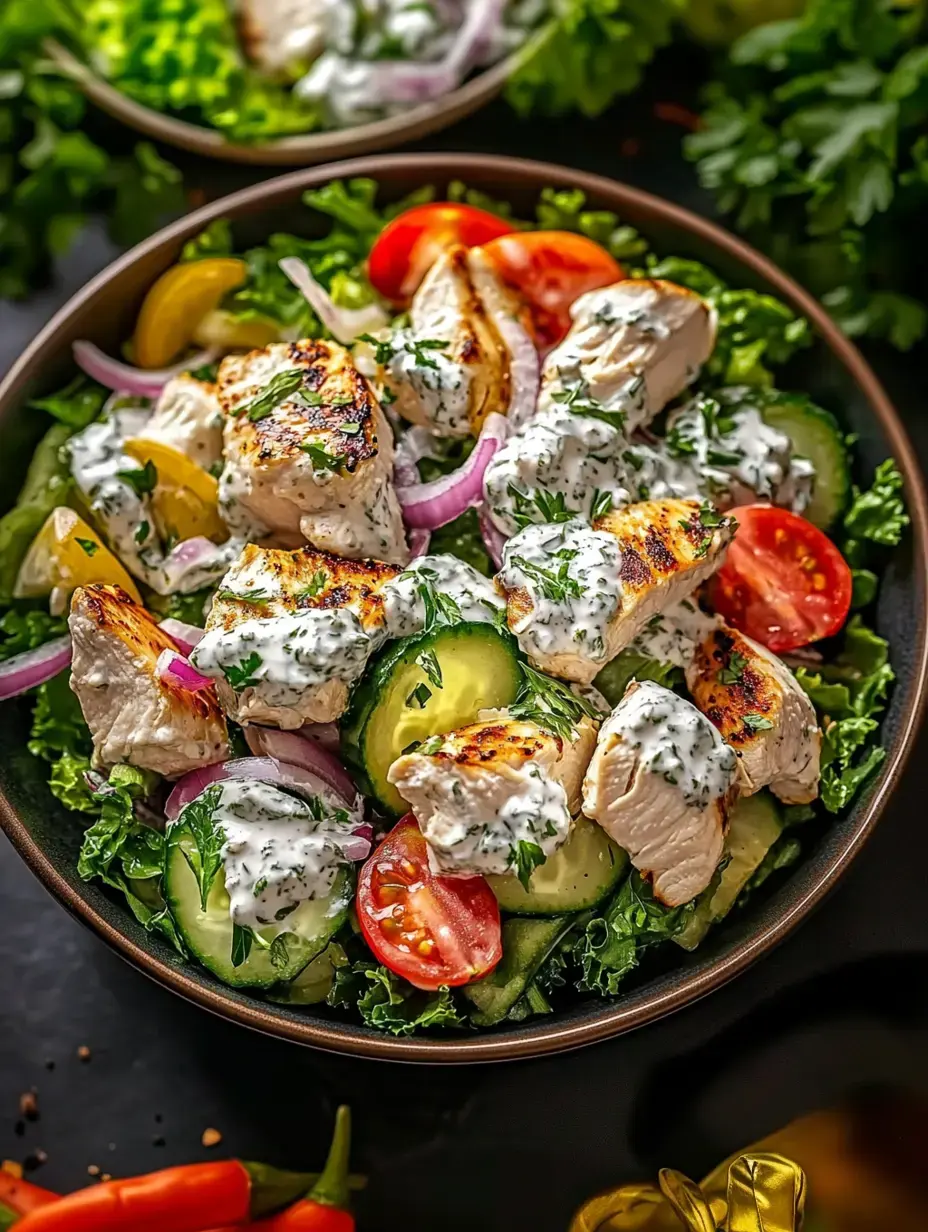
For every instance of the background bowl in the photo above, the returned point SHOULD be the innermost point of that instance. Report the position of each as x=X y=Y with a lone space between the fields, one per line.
x=833 y=371
x=302 y=150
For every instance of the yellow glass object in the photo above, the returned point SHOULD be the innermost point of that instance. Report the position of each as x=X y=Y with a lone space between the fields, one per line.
x=65 y=554
x=178 y=302
x=185 y=500
x=224 y=332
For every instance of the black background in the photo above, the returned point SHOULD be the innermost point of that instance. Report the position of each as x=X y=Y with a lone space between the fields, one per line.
x=841 y=1006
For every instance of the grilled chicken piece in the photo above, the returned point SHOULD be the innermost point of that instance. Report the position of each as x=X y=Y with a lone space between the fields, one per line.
x=451 y=388
x=317 y=461
x=661 y=782
x=134 y=716
x=480 y=792
x=188 y=417
x=577 y=595
x=632 y=347
x=761 y=711
x=289 y=632
x=281 y=34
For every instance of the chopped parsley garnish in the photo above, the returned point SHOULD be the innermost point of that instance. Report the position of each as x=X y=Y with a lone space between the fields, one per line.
x=524 y=858
x=555 y=584
x=142 y=479
x=241 y=675
x=260 y=886
x=733 y=670
x=439 y=609
x=350 y=429
x=577 y=400
x=242 y=939
x=320 y=457
x=87 y=545
x=757 y=722
x=142 y=532
x=419 y=349
x=278 y=389
x=278 y=953
x=428 y=661
x=709 y=516
x=679 y=444
x=261 y=597
x=387 y=396
x=550 y=704
x=315 y=586
x=206 y=862
x=419 y=696
x=312 y=398
x=383 y=348
x=551 y=505
x=428 y=748
x=722 y=457
x=601 y=505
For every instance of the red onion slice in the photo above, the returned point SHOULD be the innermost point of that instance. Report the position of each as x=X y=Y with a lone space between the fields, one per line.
x=296 y=750
x=344 y=324
x=325 y=734
x=418 y=539
x=186 y=636
x=174 y=669
x=140 y=382
x=355 y=845
x=493 y=540
x=434 y=504
x=34 y=667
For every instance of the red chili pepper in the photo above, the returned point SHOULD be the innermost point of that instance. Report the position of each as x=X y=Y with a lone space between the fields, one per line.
x=185 y=1199
x=21 y=1196
x=325 y=1207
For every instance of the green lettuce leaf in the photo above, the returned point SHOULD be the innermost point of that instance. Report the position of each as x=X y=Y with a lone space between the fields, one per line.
x=588 y=53
x=611 y=944
x=613 y=680
x=27 y=630
x=47 y=484
x=57 y=722
x=68 y=783
x=877 y=514
x=391 y=1004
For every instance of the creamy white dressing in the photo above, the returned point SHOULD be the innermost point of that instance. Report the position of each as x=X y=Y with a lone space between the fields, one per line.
x=571 y=573
x=283 y=657
x=674 y=740
x=474 y=819
x=404 y=602
x=671 y=636
x=724 y=449
x=279 y=850
x=441 y=384
x=558 y=462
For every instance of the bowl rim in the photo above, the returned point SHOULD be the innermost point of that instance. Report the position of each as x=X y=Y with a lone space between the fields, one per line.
x=302 y=148
x=616 y=1017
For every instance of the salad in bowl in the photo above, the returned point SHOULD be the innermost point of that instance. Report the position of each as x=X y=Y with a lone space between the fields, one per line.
x=435 y=618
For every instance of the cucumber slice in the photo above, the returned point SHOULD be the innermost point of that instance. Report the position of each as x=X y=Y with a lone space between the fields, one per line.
x=526 y=945
x=816 y=435
x=208 y=934
x=579 y=875
x=754 y=827
x=313 y=983
x=398 y=703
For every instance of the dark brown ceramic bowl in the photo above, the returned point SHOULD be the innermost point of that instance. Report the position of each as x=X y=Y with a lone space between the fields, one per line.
x=303 y=149
x=832 y=371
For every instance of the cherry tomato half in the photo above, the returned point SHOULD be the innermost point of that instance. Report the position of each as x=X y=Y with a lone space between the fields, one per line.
x=783 y=583
x=551 y=269
x=431 y=930
x=406 y=247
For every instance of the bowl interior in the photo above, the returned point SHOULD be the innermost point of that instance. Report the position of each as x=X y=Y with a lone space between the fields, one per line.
x=831 y=371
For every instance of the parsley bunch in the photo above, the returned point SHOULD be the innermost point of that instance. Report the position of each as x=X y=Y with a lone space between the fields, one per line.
x=814 y=142
x=51 y=173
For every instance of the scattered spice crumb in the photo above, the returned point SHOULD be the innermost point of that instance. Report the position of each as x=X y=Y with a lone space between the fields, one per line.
x=93 y=1170
x=211 y=1137
x=29 y=1105
x=35 y=1160
x=675 y=113
x=12 y=1168
x=106 y=1176
x=83 y=1053
x=158 y=1140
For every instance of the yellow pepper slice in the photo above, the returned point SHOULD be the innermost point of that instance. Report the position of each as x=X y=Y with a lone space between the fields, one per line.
x=65 y=554
x=185 y=500
x=224 y=332
x=178 y=302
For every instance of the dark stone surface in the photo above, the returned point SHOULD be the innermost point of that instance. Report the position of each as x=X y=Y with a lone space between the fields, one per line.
x=841 y=1004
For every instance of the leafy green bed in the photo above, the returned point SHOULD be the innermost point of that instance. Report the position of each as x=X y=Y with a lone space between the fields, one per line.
x=595 y=951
